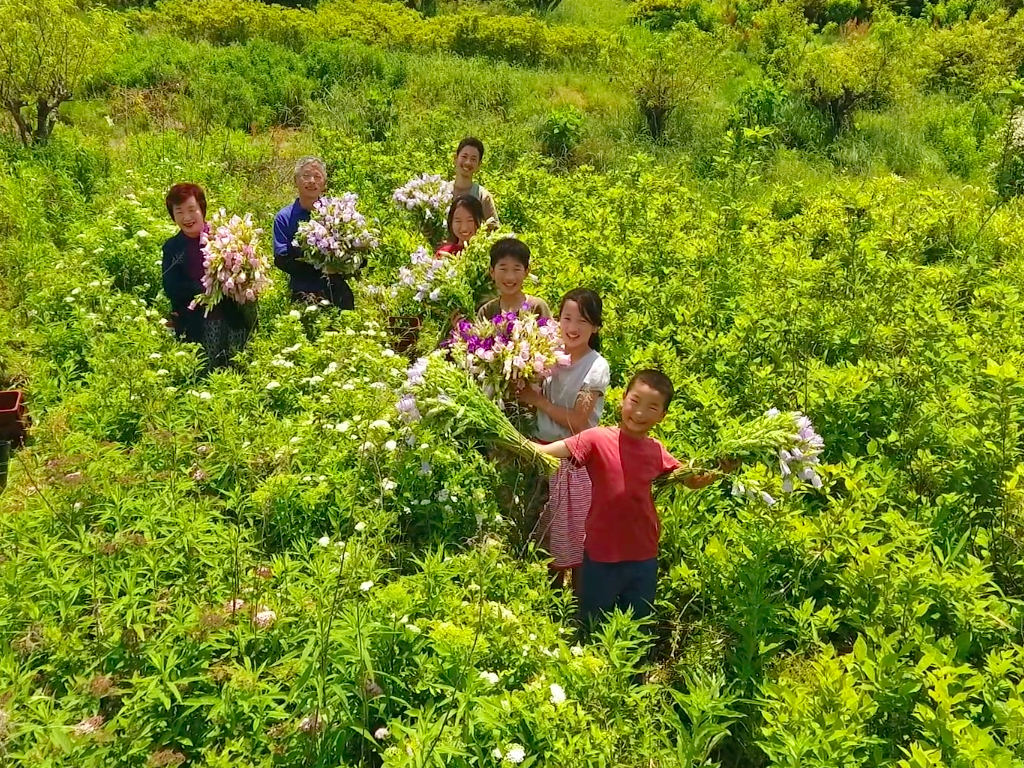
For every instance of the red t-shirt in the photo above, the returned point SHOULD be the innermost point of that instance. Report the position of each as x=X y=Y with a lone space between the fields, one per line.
x=622 y=523
x=449 y=249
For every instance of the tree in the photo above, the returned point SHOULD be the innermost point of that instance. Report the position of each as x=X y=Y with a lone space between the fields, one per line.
x=669 y=73
x=47 y=49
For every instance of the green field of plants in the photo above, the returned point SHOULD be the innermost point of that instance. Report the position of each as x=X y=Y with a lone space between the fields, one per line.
x=813 y=205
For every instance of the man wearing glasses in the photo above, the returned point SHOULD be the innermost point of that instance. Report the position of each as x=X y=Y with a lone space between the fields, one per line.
x=308 y=283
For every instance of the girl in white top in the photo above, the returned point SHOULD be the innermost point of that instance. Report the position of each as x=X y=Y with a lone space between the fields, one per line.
x=570 y=402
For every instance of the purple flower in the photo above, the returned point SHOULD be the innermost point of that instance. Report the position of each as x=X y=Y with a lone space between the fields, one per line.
x=407 y=409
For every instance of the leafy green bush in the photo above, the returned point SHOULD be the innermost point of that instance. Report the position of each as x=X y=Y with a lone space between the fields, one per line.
x=663 y=15
x=561 y=132
x=251 y=86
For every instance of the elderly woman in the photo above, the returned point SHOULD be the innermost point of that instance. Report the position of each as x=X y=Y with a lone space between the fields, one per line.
x=307 y=283
x=226 y=328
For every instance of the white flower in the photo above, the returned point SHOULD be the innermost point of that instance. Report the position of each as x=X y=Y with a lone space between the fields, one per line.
x=264 y=618
x=381 y=733
x=380 y=424
x=365 y=586
x=272 y=385
x=360 y=526
x=205 y=395
x=389 y=484
x=155 y=356
x=496 y=754
x=316 y=379
x=295 y=314
x=312 y=308
x=343 y=427
x=162 y=372
x=516 y=754
x=413 y=628
x=390 y=445
x=557 y=694
x=576 y=650
x=324 y=541
x=348 y=387
x=142 y=233
x=489 y=677
x=367 y=446
x=388 y=353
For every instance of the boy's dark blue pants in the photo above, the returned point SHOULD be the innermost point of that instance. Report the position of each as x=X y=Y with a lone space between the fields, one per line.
x=606 y=586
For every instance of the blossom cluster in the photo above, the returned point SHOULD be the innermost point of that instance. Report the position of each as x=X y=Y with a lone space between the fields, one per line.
x=233 y=266
x=427 y=196
x=795 y=444
x=336 y=237
x=426 y=276
x=509 y=349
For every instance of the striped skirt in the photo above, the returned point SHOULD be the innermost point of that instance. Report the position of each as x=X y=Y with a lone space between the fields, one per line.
x=562 y=525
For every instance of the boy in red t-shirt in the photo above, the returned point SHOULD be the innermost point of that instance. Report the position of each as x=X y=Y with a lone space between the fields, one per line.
x=620 y=553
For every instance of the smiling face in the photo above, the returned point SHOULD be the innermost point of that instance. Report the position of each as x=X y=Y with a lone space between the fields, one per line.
x=508 y=276
x=643 y=408
x=310 y=182
x=464 y=226
x=467 y=162
x=189 y=217
x=576 y=330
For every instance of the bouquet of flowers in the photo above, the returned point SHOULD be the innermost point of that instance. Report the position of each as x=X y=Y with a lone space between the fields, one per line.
x=507 y=350
x=447 y=399
x=427 y=198
x=786 y=440
x=336 y=237
x=233 y=265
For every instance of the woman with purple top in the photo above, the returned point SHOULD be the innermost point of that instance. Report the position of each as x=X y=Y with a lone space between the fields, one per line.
x=307 y=283
x=225 y=329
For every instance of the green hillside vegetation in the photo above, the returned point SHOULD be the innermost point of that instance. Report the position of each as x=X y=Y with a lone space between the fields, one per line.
x=811 y=206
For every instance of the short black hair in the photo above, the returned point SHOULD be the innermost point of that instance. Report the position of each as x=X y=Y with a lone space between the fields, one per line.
x=471 y=141
x=657 y=381
x=471 y=204
x=510 y=248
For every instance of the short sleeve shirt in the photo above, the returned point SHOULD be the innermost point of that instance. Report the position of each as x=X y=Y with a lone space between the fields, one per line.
x=588 y=374
x=533 y=304
x=622 y=524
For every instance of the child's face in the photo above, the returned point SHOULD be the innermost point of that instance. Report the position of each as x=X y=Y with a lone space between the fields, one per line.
x=643 y=408
x=467 y=161
x=463 y=225
x=508 y=276
x=576 y=331
x=189 y=217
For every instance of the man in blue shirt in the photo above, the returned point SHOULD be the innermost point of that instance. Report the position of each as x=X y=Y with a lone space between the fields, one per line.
x=306 y=281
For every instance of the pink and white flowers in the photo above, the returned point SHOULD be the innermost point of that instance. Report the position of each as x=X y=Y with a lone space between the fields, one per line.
x=234 y=266
x=336 y=238
x=507 y=350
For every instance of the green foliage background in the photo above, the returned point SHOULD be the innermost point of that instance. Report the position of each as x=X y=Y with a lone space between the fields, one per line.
x=811 y=206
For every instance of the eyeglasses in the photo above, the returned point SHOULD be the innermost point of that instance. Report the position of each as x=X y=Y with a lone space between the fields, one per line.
x=311 y=177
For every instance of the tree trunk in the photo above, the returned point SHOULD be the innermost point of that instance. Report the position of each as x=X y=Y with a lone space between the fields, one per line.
x=44 y=120
x=19 y=119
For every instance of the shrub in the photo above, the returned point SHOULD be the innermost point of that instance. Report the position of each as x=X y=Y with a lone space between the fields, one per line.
x=670 y=74
x=349 y=62
x=561 y=132
x=663 y=15
x=864 y=69
x=255 y=85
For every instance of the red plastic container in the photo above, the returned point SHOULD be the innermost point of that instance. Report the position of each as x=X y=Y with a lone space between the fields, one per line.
x=13 y=417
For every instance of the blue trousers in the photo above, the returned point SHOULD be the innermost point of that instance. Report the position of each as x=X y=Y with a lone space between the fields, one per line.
x=607 y=586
